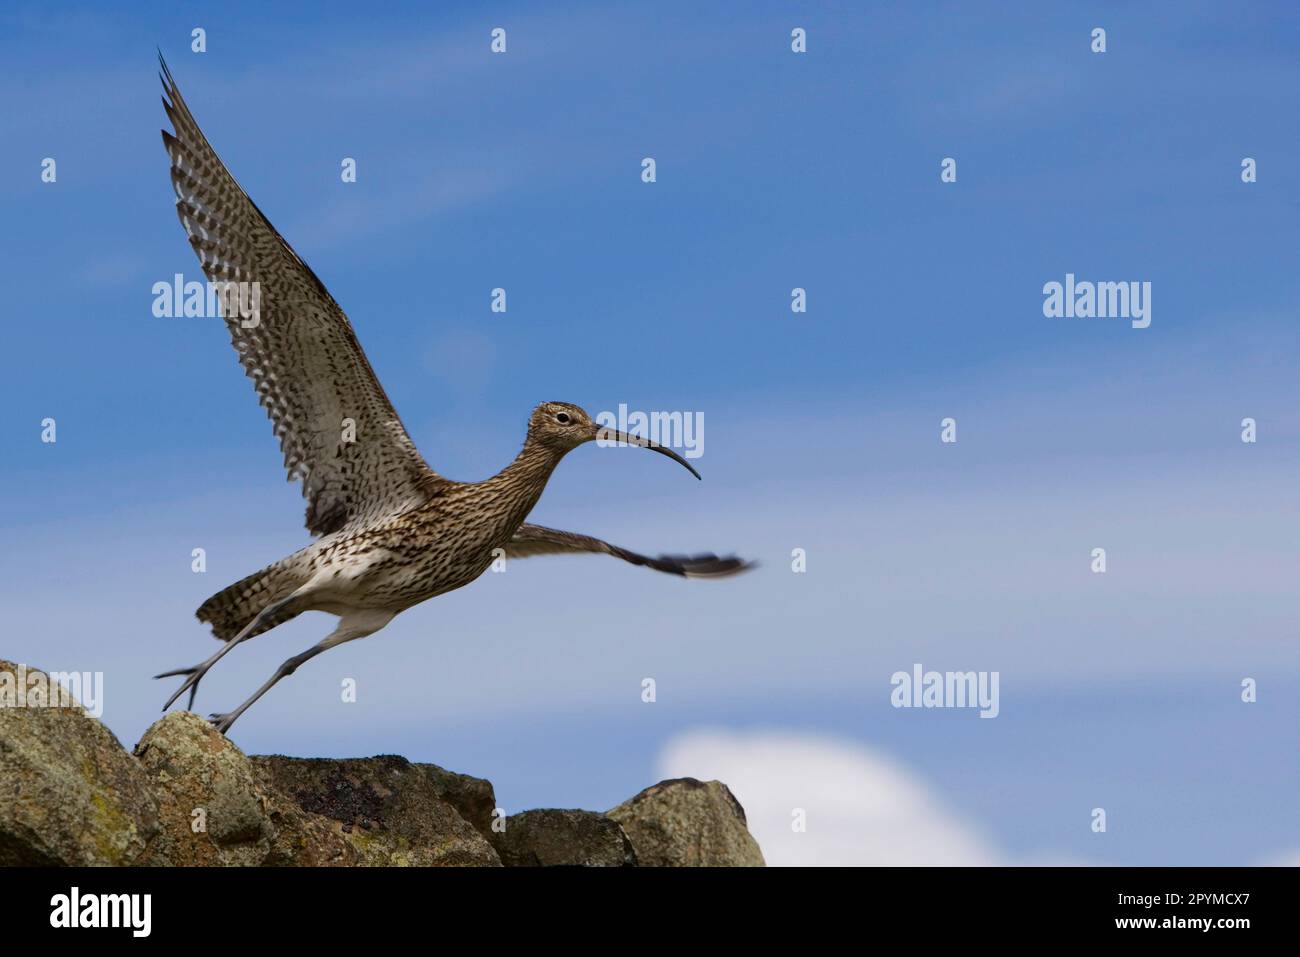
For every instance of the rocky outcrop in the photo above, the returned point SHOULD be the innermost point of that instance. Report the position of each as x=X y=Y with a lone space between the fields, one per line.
x=688 y=823
x=210 y=810
x=70 y=795
x=555 y=838
x=215 y=811
x=392 y=811
x=473 y=798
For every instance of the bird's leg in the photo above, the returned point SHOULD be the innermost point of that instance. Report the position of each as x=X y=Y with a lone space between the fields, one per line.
x=196 y=673
x=354 y=625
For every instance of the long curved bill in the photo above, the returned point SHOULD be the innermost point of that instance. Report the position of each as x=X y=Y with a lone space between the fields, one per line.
x=606 y=434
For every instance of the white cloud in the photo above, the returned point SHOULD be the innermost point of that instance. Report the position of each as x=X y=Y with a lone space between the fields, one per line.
x=862 y=808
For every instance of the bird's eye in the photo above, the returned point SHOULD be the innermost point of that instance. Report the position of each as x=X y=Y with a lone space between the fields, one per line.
x=562 y=418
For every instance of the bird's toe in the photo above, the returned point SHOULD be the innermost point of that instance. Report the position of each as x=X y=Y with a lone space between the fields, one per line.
x=177 y=673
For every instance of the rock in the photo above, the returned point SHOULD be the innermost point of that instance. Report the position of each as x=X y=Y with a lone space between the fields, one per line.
x=391 y=811
x=473 y=798
x=293 y=811
x=688 y=823
x=555 y=838
x=202 y=780
x=200 y=776
x=306 y=840
x=69 y=793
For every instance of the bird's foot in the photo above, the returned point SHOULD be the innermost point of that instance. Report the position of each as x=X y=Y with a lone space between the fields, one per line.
x=193 y=676
x=222 y=722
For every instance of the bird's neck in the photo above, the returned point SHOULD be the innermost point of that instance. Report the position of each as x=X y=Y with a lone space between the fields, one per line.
x=520 y=484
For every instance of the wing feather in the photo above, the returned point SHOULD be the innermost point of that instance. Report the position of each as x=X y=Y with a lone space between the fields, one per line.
x=307 y=367
x=532 y=540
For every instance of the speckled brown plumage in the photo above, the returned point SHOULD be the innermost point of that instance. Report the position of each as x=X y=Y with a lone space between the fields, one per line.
x=392 y=532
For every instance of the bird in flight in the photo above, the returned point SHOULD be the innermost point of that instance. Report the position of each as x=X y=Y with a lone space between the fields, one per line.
x=390 y=531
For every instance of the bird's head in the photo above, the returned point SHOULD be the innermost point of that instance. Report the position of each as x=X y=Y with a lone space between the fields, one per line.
x=563 y=427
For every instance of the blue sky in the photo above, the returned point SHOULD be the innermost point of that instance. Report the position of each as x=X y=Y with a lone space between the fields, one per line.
x=775 y=170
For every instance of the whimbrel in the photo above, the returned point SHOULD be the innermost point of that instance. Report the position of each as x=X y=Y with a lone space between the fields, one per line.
x=391 y=531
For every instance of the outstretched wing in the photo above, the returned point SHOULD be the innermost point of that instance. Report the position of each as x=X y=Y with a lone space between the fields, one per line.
x=337 y=428
x=532 y=540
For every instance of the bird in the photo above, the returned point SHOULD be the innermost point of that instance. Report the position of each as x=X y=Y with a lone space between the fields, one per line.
x=389 y=531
